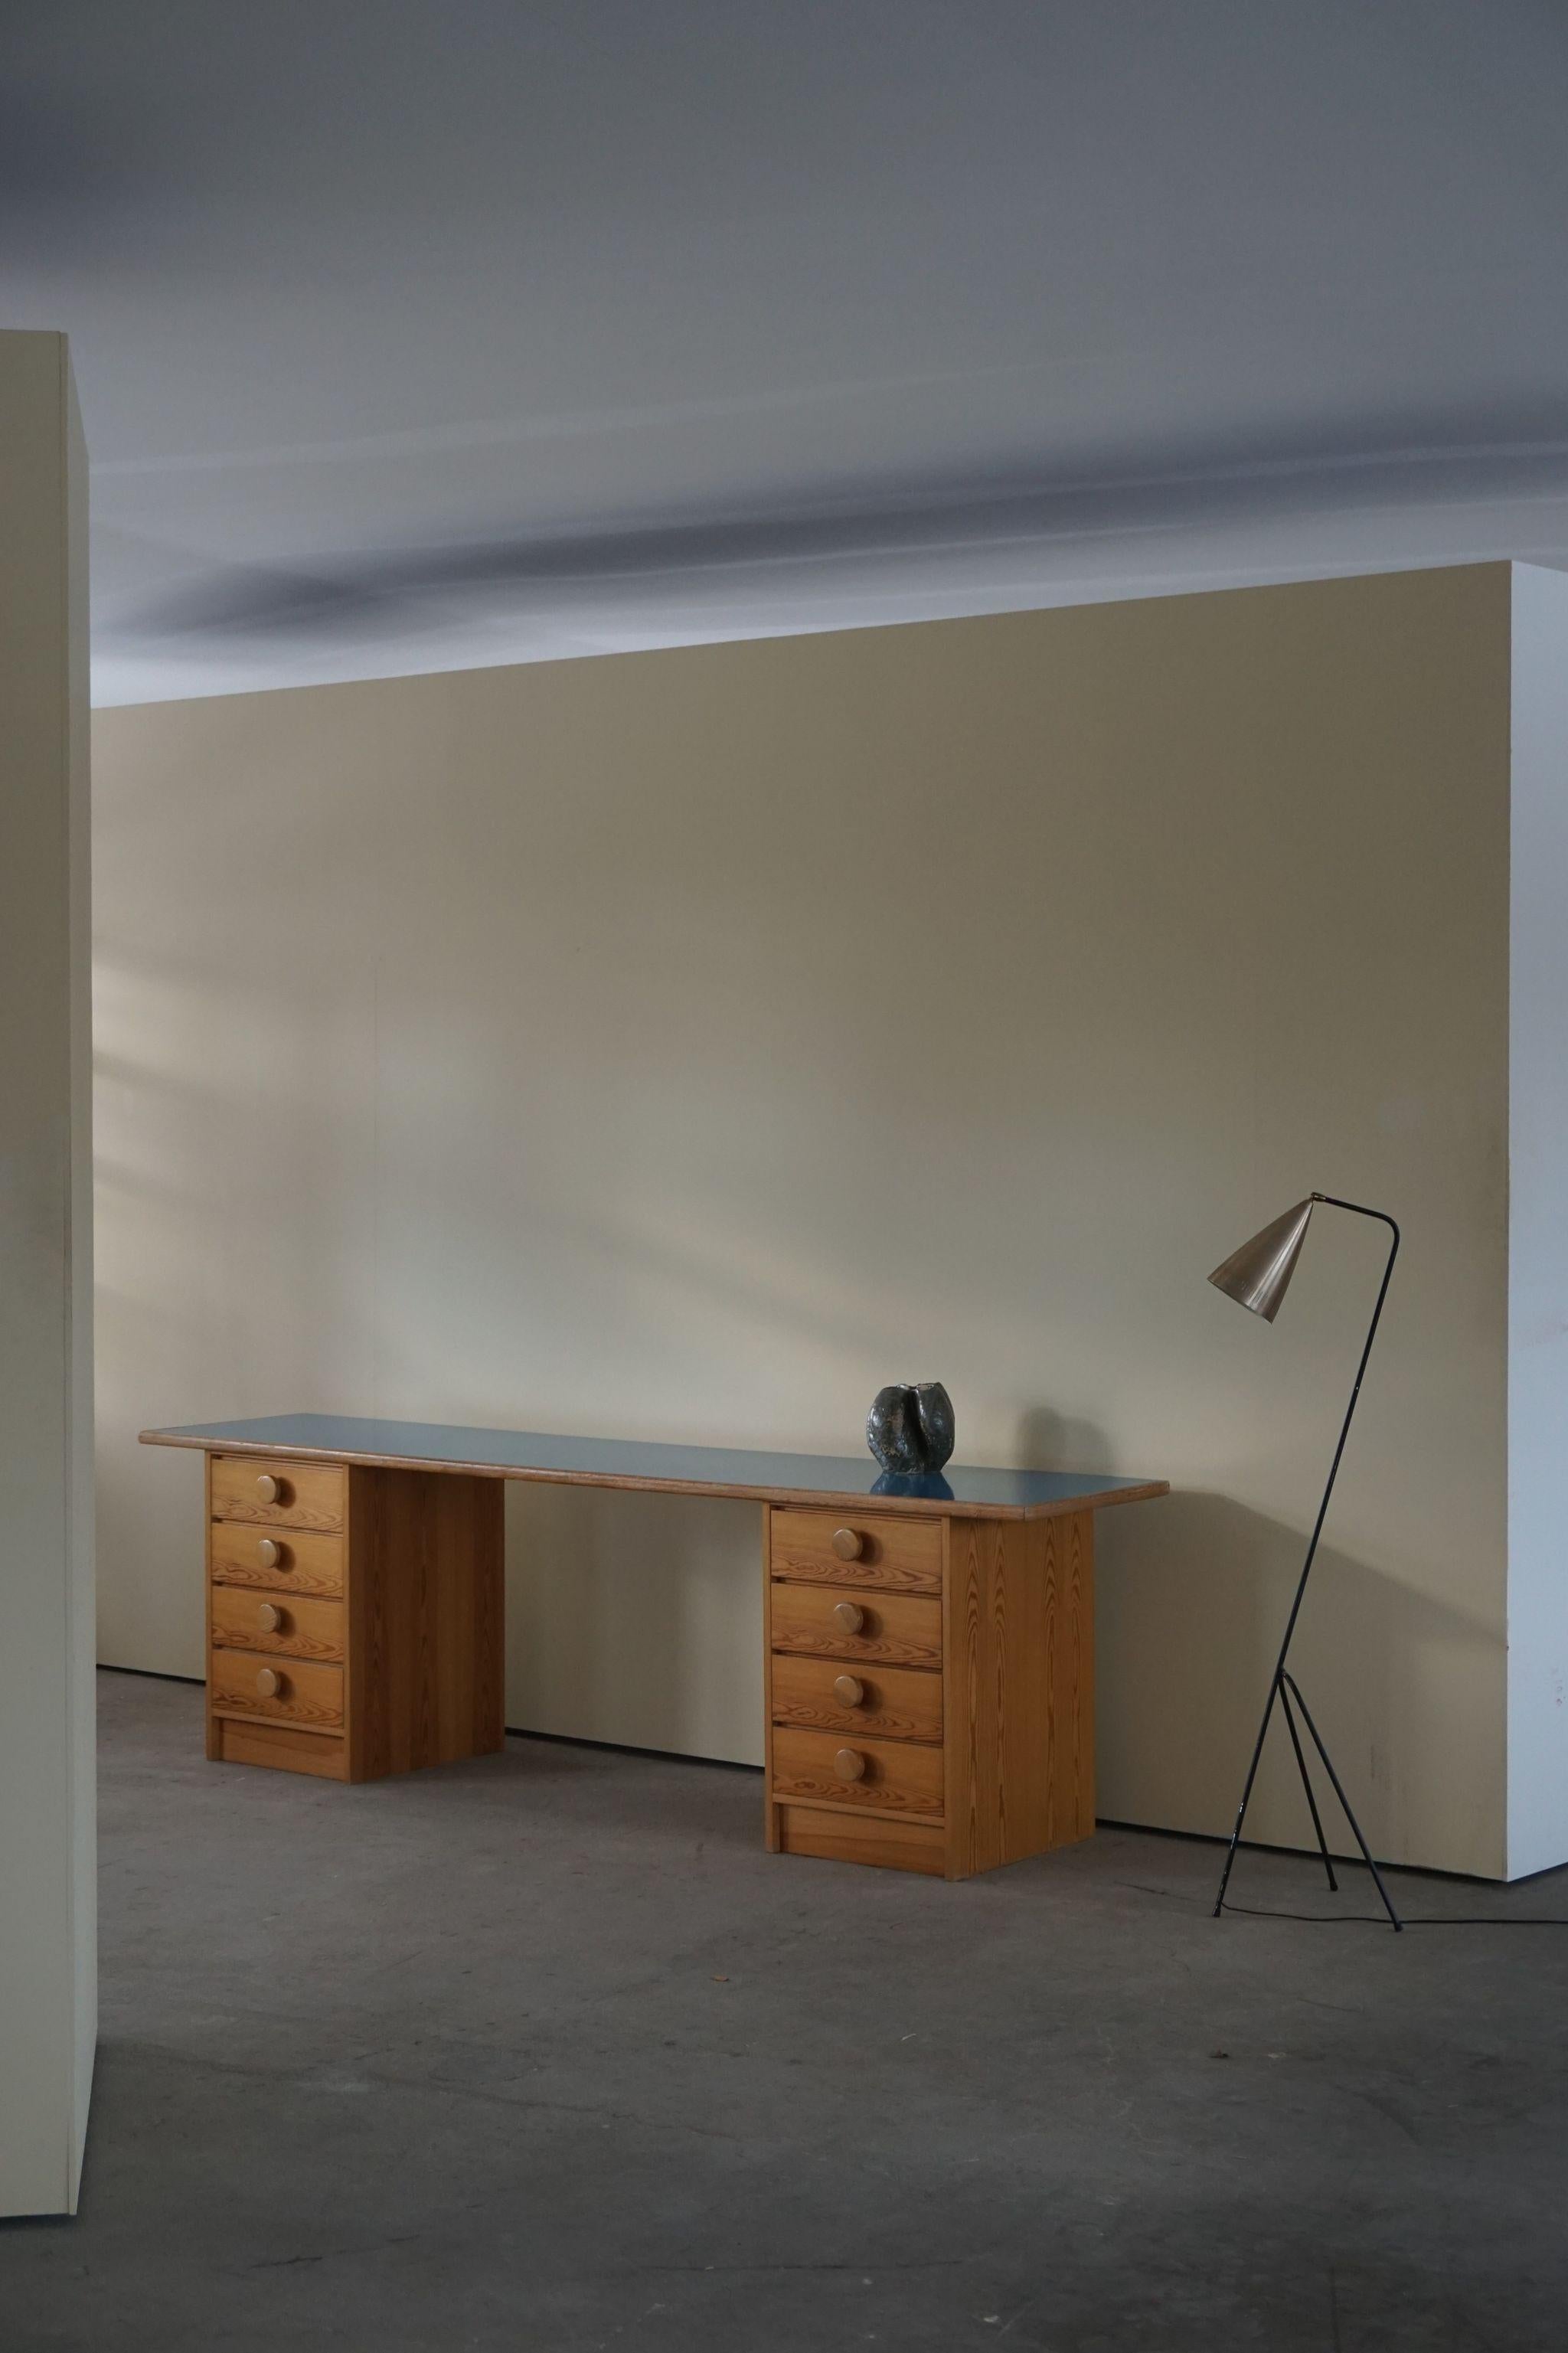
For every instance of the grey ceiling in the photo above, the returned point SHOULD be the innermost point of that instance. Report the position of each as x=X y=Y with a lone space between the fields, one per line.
x=414 y=334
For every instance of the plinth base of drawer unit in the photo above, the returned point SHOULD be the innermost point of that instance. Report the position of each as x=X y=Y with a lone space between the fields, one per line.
x=838 y=1837
x=236 y=1741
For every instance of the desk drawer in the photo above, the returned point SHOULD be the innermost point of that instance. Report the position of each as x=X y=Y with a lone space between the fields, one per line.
x=293 y=1625
x=886 y=1776
x=279 y=1495
x=858 y=1549
x=306 y=1692
x=893 y=1702
x=292 y=1560
x=900 y=1630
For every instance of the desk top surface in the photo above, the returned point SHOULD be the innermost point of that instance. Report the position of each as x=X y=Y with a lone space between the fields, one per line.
x=958 y=1491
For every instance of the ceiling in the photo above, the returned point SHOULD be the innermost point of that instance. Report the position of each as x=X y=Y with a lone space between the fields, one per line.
x=418 y=334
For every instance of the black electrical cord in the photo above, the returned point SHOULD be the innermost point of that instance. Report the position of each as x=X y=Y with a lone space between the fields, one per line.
x=1407 y=1919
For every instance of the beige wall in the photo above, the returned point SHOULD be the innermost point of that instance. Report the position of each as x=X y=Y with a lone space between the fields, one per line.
x=684 y=1044
x=49 y=1955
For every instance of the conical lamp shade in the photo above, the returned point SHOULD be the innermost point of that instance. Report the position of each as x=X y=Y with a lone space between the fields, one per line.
x=1259 y=1273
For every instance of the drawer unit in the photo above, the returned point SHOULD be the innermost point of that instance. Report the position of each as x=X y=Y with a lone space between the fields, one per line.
x=354 y=1616
x=294 y=1691
x=930 y=1688
x=862 y=1701
x=293 y=1625
x=279 y=1495
x=835 y=1548
x=885 y=1777
x=292 y=1560
x=896 y=1629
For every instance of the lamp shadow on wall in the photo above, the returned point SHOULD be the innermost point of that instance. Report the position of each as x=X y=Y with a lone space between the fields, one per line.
x=1191 y=1598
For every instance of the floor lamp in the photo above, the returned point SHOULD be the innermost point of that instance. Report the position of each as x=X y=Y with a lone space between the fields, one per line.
x=1258 y=1276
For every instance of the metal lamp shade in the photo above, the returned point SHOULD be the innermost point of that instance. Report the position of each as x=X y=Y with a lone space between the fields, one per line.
x=1258 y=1274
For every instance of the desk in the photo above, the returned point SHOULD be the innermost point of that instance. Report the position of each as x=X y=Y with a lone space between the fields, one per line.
x=928 y=1666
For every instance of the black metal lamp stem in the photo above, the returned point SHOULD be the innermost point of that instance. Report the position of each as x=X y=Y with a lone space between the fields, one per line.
x=1277 y=1687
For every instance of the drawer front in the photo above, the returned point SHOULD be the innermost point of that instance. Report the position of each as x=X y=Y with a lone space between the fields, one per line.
x=847 y=1837
x=303 y=1494
x=293 y=1625
x=306 y=1692
x=899 y=1630
x=887 y=1776
x=299 y=1748
x=294 y=1560
x=883 y=1703
x=858 y=1549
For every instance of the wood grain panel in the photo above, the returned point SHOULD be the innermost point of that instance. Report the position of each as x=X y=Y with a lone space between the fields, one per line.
x=310 y=1693
x=770 y=1811
x=899 y=1630
x=306 y=1563
x=899 y=1703
x=214 y=1739
x=902 y=1555
x=310 y=1494
x=309 y=1629
x=1020 y=1755
x=861 y=1838
x=1062 y=1559
x=900 y=1777
x=985 y=1602
x=286 y=1746
x=426 y=1609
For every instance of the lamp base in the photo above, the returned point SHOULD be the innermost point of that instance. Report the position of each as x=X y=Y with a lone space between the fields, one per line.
x=1284 y=1688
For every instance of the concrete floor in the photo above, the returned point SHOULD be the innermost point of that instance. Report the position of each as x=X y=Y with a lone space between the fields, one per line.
x=546 y=2054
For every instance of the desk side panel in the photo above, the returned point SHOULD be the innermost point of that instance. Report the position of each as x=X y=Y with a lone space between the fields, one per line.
x=426 y=1620
x=1019 y=1711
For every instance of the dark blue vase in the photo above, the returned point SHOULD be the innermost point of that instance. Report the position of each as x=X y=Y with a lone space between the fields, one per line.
x=910 y=1428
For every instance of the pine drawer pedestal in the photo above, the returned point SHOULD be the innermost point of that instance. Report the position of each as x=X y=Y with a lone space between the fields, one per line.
x=354 y=1616
x=930 y=1688
x=929 y=1645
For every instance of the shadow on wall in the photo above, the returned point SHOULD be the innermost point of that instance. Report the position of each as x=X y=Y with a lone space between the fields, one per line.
x=1049 y=1440
x=1191 y=1598
x=637 y=1620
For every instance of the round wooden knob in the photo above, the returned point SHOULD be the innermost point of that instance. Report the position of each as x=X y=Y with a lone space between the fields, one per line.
x=850 y=1690
x=850 y=1615
x=269 y=1684
x=270 y=1617
x=849 y=1765
x=268 y=1490
x=848 y=1543
x=270 y=1554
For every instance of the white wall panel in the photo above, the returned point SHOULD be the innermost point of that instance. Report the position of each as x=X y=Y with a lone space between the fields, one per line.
x=48 y=1855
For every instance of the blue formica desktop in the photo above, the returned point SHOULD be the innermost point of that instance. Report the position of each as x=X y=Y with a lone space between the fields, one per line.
x=929 y=1642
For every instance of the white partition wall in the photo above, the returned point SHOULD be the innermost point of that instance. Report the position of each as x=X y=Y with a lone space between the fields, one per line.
x=48 y=1993
x=1538 y=1227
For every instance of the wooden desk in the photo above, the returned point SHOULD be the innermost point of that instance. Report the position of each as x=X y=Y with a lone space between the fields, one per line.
x=929 y=1643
